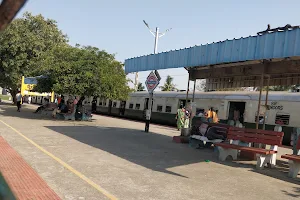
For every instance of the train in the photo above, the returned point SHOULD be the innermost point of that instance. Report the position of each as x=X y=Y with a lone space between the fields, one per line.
x=283 y=107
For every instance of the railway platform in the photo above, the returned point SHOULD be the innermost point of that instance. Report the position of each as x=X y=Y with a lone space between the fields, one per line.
x=112 y=158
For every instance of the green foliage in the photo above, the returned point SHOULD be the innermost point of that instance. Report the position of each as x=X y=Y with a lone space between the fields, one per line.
x=23 y=41
x=168 y=86
x=84 y=71
x=281 y=87
x=140 y=87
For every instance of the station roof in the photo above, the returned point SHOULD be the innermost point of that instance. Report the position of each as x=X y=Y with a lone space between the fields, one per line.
x=274 y=45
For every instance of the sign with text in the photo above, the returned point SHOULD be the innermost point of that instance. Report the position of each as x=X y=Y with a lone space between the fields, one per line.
x=151 y=82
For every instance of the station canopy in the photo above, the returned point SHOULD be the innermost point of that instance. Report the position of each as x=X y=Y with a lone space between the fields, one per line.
x=272 y=55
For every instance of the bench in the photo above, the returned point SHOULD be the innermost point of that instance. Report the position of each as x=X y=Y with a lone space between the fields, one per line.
x=18 y=180
x=294 y=161
x=84 y=115
x=49 y=109
x=241 y=139
x=67 y=116
x=212 y=127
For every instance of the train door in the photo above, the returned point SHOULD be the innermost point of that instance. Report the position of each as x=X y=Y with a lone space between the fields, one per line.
x=109 y=106
x=122 y=107
x=182 y=102
x=237 y=108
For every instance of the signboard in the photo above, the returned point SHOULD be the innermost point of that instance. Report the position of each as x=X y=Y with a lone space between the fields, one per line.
x=28 y=84
x=151 y=82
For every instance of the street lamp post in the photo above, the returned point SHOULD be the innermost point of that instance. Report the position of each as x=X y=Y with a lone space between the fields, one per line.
x=157 y=35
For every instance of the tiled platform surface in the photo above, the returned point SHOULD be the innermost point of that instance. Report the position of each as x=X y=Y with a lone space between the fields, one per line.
x=22 y=180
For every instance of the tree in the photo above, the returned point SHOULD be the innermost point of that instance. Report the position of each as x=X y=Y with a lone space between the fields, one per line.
x=140 y=87
x=84 y=71
x=168 y=86
x=281 y=87
x=22 y=42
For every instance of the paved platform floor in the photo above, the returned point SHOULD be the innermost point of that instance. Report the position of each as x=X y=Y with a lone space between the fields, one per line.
x=112 y=158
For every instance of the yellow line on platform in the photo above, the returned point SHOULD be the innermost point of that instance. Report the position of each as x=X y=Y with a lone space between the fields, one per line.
x=77 y=173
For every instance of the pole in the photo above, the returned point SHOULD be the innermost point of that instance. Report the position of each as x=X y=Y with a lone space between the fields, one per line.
x=193 y=100
x=259 y=99
x=194 y=91
x=266 y=103
x=136 y=81
x=156 y=40
x=148 y=115
x=187 y=92
x=186 y=98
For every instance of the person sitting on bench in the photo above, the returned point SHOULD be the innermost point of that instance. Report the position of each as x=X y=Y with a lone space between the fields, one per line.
x=62 y=108
x=44 y=106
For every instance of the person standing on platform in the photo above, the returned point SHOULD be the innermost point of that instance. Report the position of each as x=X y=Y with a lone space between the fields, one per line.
x=180 y=117
x=236 y=116
x=19 y=99
x=29 y=99
x=209 y=115
x=59 y=98
x=215 y=118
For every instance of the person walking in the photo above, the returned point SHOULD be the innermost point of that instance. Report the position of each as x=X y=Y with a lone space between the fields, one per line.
x=19 y=99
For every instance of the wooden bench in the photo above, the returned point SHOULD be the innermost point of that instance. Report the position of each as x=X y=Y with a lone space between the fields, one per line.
x=18 y=180
x=241 y=139
x=294 y=162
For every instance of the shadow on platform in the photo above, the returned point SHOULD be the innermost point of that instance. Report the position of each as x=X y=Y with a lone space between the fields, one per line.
x=153 y=151
x=10 y=110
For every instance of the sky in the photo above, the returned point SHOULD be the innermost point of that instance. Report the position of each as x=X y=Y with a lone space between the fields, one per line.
x=117 y=25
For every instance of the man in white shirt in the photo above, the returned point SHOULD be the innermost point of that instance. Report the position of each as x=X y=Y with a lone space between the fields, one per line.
x=19 y=99
x=29 y=100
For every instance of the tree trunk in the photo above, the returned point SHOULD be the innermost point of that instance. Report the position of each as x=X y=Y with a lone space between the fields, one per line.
x=13 y=95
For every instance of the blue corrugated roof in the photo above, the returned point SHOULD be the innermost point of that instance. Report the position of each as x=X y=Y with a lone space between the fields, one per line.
x=268 y=46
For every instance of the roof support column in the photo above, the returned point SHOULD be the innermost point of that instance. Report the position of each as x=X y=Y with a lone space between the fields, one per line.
x=193 y=100
x=186 y=98
x=187 y=92
x=266 y=102
x=260 y=91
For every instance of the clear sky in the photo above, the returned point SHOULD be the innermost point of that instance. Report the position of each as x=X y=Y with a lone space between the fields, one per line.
x=116 y=25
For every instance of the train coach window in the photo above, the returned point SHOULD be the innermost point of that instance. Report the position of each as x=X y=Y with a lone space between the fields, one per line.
x=131 y=106
x=159 y=108
x=115 y=104
x=168 y=108
x=282 y=119
x=137 y=106
x=261 y=118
